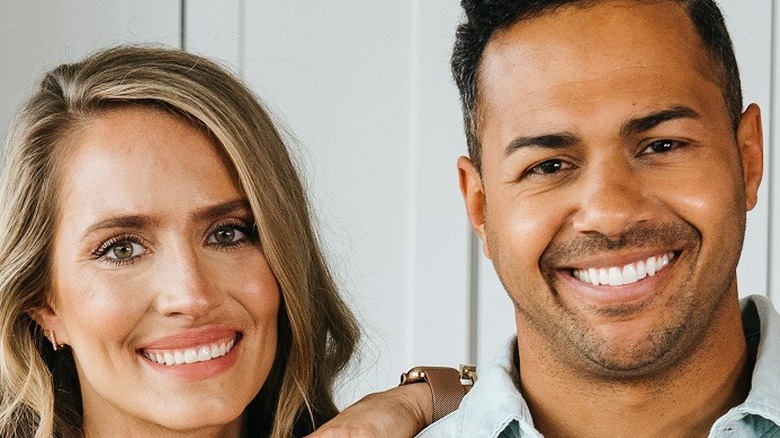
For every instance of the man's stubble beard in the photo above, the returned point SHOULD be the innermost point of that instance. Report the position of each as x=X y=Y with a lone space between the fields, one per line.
x=687 y=318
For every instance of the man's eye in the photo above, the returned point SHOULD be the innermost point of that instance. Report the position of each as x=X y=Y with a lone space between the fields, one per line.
x=549 y=167
x=661 y=146
x=227 y=235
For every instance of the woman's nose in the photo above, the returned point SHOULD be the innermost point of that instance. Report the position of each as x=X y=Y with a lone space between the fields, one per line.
x=185 y=288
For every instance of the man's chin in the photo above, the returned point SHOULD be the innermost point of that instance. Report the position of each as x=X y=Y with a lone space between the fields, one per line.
x=629 y=350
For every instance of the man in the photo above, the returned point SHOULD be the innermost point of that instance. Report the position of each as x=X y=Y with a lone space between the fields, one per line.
x=611 y=167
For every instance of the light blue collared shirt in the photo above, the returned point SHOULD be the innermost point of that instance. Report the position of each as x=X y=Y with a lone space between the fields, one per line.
x=494 y=408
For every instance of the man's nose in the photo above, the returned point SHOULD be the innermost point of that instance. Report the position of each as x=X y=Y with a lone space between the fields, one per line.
x=612 y=197
x=185 y=286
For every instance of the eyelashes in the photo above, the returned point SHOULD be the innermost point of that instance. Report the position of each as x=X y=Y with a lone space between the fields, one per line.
x=128 y=248
x=231 y=233
x=120 y=250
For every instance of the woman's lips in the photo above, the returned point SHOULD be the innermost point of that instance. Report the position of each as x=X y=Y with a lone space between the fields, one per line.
x=198 y=353
x=191 y=346
x=188 y=357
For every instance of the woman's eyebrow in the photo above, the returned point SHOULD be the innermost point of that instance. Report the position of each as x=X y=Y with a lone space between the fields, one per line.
x=215 y=211
x=141 y=221
x=128 y=221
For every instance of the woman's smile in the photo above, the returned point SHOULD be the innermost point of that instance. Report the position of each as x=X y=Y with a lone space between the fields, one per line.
x=195 y=354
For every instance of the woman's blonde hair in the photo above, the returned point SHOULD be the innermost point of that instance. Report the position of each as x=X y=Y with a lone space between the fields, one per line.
x=39 y=394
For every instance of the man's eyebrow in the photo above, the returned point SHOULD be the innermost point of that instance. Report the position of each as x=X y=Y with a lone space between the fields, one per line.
x=650 y=121
x=549 y=141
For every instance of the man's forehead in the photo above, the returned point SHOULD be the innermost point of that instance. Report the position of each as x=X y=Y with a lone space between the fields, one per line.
x=590 y=70
x=579 y=33
x=627 y=47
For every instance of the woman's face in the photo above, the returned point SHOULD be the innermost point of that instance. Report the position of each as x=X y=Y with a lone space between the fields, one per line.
x=158 y=282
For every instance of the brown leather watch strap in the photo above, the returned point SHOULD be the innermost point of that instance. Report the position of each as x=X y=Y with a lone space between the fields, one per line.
x=446 y=388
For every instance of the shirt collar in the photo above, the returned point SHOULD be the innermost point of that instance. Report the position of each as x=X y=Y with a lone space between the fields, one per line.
x=495 y=402
x=764 y=396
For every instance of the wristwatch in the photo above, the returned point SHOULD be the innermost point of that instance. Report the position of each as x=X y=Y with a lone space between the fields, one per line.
x=447 y=388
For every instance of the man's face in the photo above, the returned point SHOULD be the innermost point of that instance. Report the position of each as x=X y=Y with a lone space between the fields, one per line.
x=613 y=191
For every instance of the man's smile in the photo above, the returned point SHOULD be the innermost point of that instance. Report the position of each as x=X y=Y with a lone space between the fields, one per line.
x=626 y=274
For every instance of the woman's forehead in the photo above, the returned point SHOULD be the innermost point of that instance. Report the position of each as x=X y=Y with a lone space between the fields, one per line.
x=142 y=159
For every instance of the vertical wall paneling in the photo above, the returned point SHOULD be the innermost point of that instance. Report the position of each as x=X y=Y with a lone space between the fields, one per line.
x=774 y=161
x=183 y=24
x=337 y=75
x=36 y=36
x=474 y=279
x=440 y=248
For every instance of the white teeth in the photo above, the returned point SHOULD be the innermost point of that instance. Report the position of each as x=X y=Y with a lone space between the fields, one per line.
x=641 y=271
x=630 y=273
x=603 y=276
x=615 y=277
x=201 y=353
x=594 y=276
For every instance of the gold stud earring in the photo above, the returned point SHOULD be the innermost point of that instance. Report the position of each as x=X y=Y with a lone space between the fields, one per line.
x=53 y=339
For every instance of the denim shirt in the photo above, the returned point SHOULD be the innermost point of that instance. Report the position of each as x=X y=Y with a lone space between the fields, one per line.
x=494 y=408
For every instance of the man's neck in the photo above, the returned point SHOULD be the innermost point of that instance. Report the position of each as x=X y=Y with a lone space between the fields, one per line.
x=683 y=402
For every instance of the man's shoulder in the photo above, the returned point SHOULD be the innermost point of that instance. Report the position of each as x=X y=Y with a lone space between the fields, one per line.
x=761 y=322
x=494 y=408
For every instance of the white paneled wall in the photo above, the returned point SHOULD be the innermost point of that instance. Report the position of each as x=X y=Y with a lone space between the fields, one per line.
x=365 y=92
x=36 y=36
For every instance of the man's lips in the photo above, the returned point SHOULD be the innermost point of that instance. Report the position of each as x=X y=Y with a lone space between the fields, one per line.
x=626 y=273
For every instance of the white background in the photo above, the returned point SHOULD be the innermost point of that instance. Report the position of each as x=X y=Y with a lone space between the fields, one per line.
x=365 y=88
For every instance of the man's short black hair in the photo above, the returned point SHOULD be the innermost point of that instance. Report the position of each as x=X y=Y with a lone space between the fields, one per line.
x=484 y=17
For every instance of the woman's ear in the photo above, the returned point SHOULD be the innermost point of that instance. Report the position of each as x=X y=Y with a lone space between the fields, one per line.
x=48 y=319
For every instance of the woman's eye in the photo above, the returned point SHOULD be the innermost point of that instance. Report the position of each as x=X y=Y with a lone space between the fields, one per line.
x=124 y=250
x=549 y=167
x=661 y=146
x=227 y=235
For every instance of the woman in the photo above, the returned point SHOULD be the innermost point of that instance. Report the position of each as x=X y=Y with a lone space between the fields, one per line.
x=158 y=270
